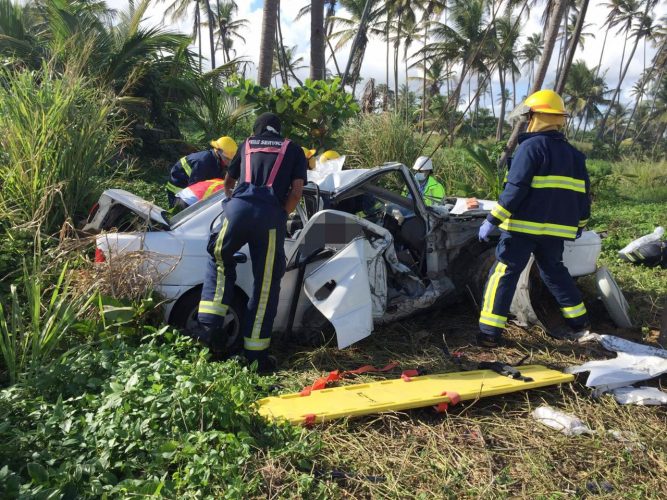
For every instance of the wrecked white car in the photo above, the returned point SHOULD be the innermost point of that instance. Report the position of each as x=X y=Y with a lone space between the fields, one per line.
x=362 y=249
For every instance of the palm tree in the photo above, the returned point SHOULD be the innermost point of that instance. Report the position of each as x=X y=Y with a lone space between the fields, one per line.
x=507 y=34
x=267 y=44
x=639 y=89
x=429 y=9
x=355 y=29
x=531 y=52
x=555 y=11
x=629 y=13
x=286 y=62
x=584 y=94
x=177 y=10
x=575 y=41
x=462 y=41
x=229 y=28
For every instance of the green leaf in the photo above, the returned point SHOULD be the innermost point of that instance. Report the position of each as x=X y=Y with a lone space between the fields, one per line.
x=38 y=473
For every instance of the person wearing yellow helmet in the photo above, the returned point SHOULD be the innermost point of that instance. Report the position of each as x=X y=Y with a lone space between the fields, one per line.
x=201 y=166
x=545 y=201
x=310 y=156
x=329 y=155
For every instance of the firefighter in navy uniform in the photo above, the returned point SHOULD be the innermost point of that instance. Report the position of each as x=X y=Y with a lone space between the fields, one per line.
x=271 y=172
x=201 y=166
x=545 y=202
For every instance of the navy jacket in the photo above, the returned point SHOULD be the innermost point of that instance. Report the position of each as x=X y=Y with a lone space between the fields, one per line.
x=197 y=167
x=547 y=192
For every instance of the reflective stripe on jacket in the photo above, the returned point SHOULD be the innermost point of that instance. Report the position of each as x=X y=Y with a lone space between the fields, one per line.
x=547 y=189
x=196 y=167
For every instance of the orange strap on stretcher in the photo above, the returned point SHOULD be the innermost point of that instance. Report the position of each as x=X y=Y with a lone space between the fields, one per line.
x=337 y=375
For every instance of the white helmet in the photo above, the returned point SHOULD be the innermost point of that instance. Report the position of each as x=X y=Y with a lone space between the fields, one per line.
x=423 y=164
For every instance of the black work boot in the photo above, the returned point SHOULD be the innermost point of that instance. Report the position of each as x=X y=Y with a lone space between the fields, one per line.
x=212 y=337
x=266 y=364
x=489 y=341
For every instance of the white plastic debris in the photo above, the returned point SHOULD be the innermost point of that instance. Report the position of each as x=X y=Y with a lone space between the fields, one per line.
x=561 y=421
x=633 y=363
x=640 y=396
x=656 y=235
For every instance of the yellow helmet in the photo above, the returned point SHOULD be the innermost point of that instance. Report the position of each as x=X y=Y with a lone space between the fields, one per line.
x=546 y=101
x=329 y=155
x=227 y=145
x=308 y=152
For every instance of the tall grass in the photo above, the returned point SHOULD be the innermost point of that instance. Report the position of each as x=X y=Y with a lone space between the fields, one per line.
x=35 y=320
x=58 y=130
x=373 y=139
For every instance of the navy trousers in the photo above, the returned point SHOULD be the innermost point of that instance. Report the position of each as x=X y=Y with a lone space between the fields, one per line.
x=257 y=220
x=512 y=255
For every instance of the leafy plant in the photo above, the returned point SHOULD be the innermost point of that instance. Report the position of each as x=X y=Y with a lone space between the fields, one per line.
x=34 y=323
x=312 y=113
x=154 y=419
x=487 y=167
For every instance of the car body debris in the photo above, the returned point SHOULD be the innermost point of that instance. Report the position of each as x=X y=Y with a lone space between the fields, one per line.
x=642 y=396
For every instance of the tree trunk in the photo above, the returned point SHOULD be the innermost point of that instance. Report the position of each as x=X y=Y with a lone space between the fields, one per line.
x=423 y=114
x=549 y=43
x=563 y=43
x=513 y=89
x=493 y=107
x=317 y=60
x=397 y=46
x=211 y=28
x=386 y=94
x=198 y=22
x=358 y=47
x=617 y=91
x=267 y=44
x=501 y=116
x=572 y=48
x=604 y=44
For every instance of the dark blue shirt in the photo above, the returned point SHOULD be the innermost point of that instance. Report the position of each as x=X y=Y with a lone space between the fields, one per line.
x=294 y=166
x=547 y=192
x=203 y=165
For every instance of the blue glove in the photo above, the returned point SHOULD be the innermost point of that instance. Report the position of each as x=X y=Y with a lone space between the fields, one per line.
x=485 y=230
x=579 y=231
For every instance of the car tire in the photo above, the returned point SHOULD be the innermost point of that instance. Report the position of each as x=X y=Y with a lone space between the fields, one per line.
x=319 y=331
x=184 y=315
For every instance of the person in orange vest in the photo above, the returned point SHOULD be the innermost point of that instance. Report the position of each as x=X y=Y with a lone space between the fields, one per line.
x=197 y=192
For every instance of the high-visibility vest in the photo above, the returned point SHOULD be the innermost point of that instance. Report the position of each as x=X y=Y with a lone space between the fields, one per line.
x=200 y=190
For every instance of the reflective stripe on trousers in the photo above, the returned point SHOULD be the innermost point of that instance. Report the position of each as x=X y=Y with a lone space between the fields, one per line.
x=512 y=254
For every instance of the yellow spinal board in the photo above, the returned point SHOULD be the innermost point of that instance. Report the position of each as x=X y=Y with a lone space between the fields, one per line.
x=403 y=394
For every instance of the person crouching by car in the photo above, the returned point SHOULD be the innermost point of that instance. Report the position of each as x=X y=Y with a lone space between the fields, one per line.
x=201 y=166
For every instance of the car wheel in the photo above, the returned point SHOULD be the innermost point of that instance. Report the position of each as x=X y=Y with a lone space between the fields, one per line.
x=478 y=274
x=184 y=316
x=319 y=331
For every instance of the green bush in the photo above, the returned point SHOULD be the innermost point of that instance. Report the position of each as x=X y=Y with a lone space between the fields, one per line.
x=310 y=114
x=157 y=419
x=58 y=130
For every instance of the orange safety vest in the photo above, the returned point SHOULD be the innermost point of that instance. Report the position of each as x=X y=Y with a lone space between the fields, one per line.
x=200 y=190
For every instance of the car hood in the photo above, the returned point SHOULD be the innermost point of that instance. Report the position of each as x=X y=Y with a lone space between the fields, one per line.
x=108 y=208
